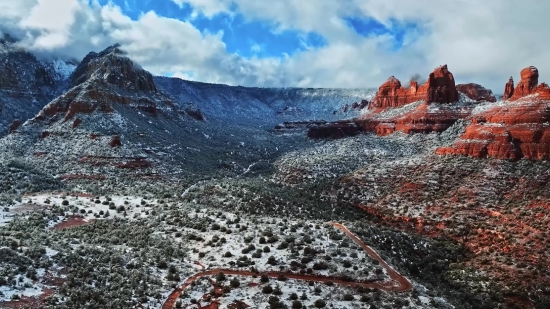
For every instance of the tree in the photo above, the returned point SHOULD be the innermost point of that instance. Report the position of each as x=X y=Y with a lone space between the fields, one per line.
x=297 y=304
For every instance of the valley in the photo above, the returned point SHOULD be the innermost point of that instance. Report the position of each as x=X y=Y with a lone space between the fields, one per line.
x=127 y=190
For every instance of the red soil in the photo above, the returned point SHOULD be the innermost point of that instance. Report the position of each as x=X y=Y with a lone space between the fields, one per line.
x=28 y=302
x=397 y=283
x=70 y=222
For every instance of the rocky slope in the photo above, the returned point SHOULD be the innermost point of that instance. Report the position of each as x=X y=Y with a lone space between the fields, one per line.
x=27 y=83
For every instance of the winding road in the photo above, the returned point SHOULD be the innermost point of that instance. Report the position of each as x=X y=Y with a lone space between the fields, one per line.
x=397 y=282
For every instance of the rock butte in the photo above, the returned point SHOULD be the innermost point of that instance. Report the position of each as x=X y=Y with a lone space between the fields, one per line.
x=519 y=129
x=440 y=87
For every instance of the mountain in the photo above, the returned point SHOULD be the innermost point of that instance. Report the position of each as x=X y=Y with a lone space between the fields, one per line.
x=27 y=83
x=117 y=119
x=263 y=105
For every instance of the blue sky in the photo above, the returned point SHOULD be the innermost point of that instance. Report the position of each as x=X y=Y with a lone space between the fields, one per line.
x=259 y=38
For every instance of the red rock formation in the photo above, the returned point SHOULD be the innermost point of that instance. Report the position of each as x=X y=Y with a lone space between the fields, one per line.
x=477 y=92
x=354 y=106
x=517 y=130
x=422 y=119
x=440 y=87
x=103 y=79
x=115 y=141
x=14 y=126
x=529 y=80
x=508 y=89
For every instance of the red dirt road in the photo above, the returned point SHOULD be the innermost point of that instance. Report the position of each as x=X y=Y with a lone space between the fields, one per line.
x=398 y=283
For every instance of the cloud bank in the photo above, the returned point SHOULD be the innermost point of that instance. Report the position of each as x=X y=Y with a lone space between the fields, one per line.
x=483 y=42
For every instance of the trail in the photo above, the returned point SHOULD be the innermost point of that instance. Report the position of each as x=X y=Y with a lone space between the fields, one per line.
x=397 y=282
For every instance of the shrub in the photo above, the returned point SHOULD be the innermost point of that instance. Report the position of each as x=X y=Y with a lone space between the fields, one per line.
x=267 y=289
x=320 y=303
x=348 y=297
x=220 y=277
x=235 y=283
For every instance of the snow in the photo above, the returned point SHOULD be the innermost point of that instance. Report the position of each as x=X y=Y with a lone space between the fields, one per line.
x=26 y=287
x=63 y=68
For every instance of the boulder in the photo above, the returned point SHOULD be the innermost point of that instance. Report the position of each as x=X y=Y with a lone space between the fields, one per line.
x=476 y=92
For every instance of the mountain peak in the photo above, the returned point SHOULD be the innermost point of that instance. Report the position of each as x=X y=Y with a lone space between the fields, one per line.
x=112 y=66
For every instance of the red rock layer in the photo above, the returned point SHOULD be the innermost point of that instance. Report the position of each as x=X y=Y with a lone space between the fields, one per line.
x=420 y=120
x=391 y=94
x=440 y=87
x=477 y=92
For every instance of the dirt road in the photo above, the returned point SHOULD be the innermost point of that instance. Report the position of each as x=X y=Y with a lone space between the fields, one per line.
x=398 y=283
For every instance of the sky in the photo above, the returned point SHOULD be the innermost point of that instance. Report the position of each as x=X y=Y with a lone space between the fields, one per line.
x=296 y=43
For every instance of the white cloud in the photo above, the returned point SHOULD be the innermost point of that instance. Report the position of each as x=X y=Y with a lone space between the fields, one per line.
x=483 y=42
x=208 y=8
